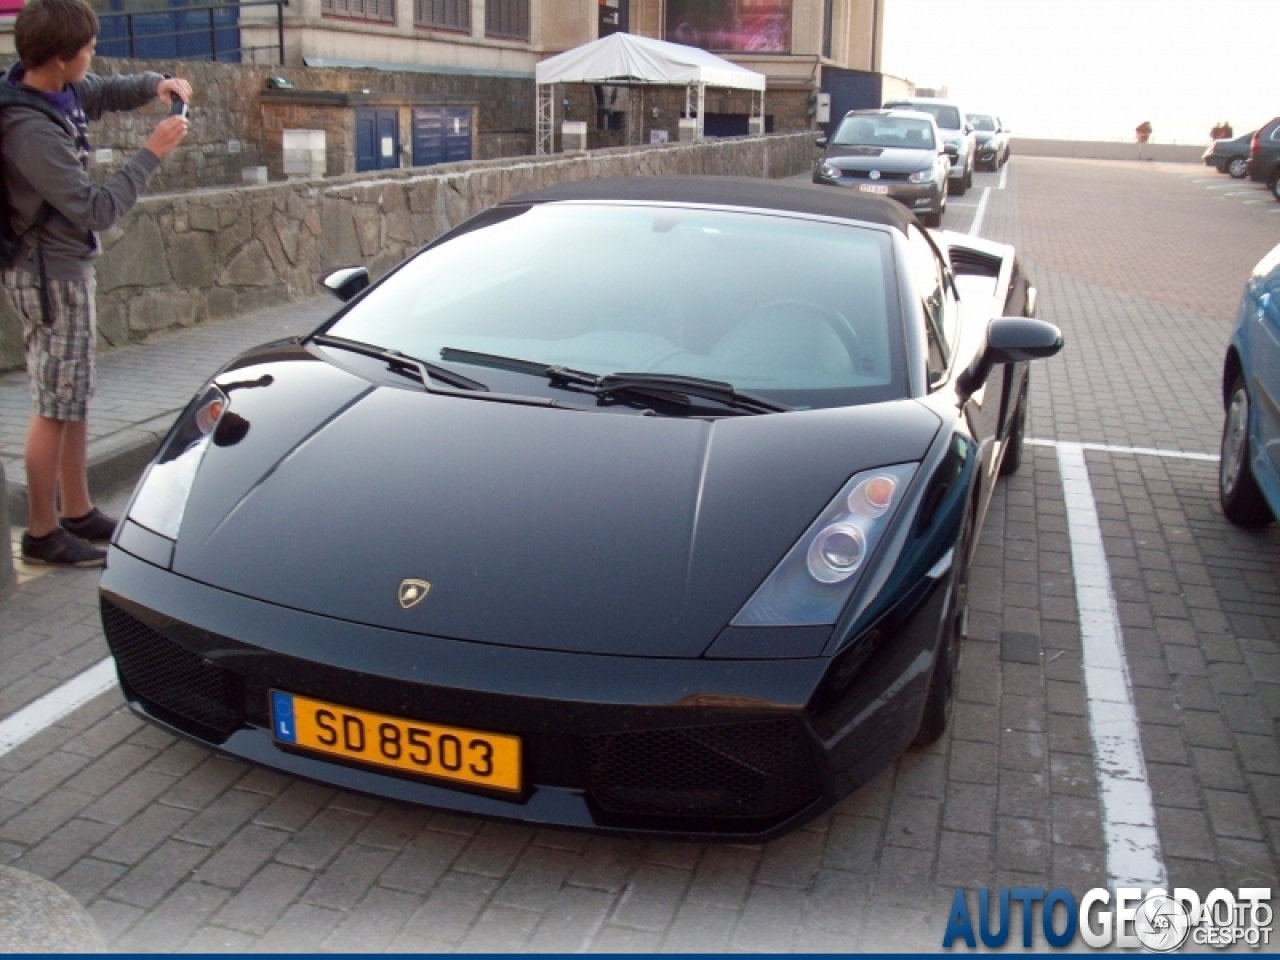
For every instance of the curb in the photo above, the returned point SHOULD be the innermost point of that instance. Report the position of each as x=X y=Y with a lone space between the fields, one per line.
x=115 y=461
x=8 y=576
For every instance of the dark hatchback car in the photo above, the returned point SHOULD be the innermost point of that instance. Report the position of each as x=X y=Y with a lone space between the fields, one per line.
x=689 y=559
x=1264 y=156
x=1230 y=156
x=992 y=140
x=891 y=153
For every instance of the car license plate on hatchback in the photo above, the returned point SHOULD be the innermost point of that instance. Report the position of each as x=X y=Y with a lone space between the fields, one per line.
x=873 y=188
x=451 y=753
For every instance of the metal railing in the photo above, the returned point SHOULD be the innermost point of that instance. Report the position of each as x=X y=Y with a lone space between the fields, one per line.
x=200 y=32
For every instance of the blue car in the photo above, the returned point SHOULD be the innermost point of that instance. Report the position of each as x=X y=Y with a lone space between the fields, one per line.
x=1249 y=474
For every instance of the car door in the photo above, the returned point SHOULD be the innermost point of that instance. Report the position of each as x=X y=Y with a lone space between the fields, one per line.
x=1264 y=375
x=956 y=334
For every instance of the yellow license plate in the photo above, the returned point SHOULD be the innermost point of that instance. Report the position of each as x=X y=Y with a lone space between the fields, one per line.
x=451 y=753
x=873 y=188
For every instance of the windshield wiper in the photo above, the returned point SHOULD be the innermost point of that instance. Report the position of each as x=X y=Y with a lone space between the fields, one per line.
x=399 y=362
x=556 y=374
x=667 y=384
x=667 y=387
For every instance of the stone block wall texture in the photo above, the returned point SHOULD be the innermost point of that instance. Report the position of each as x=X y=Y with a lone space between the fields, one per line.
x=185 y=258
x=226 y=112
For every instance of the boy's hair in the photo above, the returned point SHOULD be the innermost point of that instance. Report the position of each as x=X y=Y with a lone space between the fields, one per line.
x=49 y=29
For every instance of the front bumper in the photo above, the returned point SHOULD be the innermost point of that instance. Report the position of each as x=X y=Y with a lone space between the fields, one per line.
x=917 y=197
x=696 y=748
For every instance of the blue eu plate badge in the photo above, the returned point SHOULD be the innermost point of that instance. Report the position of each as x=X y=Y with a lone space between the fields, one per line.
x=282 y=724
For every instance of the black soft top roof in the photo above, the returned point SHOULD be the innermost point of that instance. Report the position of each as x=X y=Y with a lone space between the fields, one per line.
x=731 y=192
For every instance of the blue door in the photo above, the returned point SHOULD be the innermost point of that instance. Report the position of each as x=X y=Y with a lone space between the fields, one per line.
x=377 y=139
x=441 y=135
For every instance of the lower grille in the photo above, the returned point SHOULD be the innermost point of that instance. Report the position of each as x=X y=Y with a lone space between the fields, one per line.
x=755 y=771
x=175 y=683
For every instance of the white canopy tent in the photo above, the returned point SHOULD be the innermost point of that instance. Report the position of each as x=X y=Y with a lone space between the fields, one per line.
x=624 y=59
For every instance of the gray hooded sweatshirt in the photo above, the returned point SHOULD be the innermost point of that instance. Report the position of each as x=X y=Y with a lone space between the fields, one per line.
x=41 y=164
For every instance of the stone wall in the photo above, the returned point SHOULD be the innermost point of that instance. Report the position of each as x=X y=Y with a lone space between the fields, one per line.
x=228 y=132
x=186 y=258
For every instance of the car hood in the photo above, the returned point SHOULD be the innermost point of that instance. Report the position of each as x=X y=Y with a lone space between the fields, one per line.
x=543 y=528
x=890 y=159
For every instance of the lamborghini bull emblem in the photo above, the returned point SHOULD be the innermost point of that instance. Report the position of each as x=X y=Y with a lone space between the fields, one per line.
x=412 y=592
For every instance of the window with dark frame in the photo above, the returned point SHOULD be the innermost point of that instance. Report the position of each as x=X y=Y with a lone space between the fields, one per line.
x=508 y=19
x=828 y=14
x=381 y=10
x=443 y=14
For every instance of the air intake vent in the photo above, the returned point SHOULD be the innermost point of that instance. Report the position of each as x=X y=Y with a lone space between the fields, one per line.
x=174 y=683
x=970 y=263
x=752 y=771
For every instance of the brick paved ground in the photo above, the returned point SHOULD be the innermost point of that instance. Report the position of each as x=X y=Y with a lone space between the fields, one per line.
x=171 y=847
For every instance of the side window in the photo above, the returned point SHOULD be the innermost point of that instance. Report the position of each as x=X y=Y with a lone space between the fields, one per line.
x=929 y=280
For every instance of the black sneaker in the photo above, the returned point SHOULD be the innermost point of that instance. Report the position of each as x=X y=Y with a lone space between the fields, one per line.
x=95 y=526
x=61 y=549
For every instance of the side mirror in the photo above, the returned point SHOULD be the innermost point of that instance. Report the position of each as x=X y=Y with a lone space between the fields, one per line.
x=820 y=141
x=346 y=282
x=1010 y=340
x=968 y=128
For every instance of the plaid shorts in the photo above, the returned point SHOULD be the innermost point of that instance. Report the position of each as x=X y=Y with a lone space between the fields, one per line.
x=59 y=353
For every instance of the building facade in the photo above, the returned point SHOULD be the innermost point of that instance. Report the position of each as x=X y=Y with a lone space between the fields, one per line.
x=800 y=45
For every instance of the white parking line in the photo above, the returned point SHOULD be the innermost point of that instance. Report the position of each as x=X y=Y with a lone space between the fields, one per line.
x=53 y=706
x=982 y=212
x=1146 y=451
x=1128 y=812
x=1004 y=175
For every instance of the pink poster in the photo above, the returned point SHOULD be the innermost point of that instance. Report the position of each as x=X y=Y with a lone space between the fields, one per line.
x=752 y=26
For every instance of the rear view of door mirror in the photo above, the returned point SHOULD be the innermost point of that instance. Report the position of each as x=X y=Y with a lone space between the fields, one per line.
x=1010 y=340
x=820 y=141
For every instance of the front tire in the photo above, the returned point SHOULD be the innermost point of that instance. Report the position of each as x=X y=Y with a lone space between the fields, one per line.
x=968 y=179
x=1238 y=168
x=1238 y=491
x=1275 y=187
x=942 y=682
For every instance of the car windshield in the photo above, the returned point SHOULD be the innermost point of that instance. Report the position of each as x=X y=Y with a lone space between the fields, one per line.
x=798 y=310
x=882 y=131
x=983 y=122
x=948 y=117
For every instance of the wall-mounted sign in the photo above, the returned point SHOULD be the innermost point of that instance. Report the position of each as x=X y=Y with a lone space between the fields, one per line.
x=758 y=26
x=388 y=147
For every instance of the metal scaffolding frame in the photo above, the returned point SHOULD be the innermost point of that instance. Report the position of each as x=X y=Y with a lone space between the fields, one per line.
x=545 y=133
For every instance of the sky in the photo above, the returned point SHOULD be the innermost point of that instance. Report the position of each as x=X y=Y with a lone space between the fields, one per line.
x=1095 y=69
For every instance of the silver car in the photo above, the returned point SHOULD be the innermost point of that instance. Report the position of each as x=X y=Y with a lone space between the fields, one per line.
x=894 y=153
x=957 y=136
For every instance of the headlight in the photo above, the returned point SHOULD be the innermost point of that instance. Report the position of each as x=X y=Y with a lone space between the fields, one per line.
x=921 y=176
x=817 y=576
x=162 y=496
x=830 y=171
